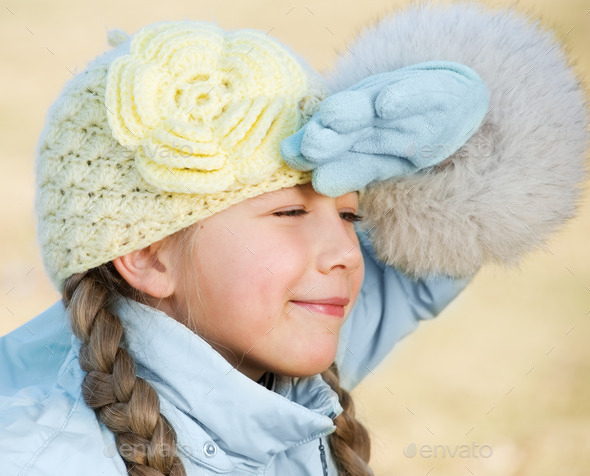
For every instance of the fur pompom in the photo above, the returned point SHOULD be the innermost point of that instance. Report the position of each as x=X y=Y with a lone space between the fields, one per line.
x=516 y=181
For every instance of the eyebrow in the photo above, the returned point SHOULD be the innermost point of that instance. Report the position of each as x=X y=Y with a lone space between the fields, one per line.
x=265 y=196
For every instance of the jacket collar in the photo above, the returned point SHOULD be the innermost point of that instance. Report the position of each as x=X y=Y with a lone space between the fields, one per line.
x=199 y=390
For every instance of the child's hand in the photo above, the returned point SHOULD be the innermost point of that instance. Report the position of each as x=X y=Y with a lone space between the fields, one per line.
x=388 y=125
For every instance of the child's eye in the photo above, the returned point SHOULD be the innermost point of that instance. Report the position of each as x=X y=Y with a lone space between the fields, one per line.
x=291 y=213
x=351 y=217
x=348 y=216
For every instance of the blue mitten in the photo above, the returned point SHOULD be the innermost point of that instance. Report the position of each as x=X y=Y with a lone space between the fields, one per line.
x=388 y=125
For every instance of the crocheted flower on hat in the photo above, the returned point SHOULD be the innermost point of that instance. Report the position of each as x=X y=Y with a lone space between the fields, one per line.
x=203 y=110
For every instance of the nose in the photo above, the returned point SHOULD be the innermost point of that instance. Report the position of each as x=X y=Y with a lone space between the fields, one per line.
x=338 y=246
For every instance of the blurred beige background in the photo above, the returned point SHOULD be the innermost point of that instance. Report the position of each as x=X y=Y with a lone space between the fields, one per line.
x=500 y=381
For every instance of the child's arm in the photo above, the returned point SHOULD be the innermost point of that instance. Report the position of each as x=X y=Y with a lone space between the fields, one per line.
x=511 y=184
x=390 y=306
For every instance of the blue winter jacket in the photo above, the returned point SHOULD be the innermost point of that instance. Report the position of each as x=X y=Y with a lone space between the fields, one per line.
x=225 y=422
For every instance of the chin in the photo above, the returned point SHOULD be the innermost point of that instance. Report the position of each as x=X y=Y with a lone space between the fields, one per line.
x=310 y=367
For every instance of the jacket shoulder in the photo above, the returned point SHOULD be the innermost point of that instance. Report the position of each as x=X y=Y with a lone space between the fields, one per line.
x=33 y=353
x=55 y=432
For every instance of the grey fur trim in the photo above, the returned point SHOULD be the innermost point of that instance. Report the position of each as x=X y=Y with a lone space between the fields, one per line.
x=517 y=180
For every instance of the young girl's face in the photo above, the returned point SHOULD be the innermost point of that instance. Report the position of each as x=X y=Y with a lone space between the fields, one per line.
x=259 y=266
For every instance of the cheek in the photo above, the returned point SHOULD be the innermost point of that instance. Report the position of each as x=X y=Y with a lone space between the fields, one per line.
x=356 y=283
x=359 y=277
x=240 y=270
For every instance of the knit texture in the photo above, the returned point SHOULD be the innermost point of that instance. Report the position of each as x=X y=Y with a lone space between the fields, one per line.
x=174 y=126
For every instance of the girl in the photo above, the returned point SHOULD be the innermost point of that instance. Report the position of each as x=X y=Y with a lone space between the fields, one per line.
x=205 y=280
x=210 y=285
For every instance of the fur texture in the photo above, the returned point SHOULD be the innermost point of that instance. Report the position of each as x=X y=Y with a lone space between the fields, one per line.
x=516 y=181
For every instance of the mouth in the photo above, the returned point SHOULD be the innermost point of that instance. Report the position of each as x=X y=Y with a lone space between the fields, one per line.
x=332 y=307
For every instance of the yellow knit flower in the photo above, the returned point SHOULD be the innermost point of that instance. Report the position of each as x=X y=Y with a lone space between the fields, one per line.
x=204 y=110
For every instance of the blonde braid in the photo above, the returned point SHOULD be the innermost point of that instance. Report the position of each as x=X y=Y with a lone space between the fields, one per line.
x=350 y=443
x=126 y=404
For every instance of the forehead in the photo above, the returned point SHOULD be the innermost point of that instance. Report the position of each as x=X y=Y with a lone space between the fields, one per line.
x=297 y=190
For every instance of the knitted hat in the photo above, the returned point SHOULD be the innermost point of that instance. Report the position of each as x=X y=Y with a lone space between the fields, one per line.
x=172 y=126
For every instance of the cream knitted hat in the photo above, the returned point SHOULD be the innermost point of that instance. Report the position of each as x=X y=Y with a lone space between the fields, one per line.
x=172 y=126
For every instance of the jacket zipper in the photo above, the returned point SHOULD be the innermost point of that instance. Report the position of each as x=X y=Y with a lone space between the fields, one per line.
x=323 y=459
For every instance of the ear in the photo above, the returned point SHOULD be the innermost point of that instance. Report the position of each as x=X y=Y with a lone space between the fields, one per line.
x=148 y=270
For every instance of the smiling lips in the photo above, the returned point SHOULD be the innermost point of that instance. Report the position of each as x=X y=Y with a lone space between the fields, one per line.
x=331 y=306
